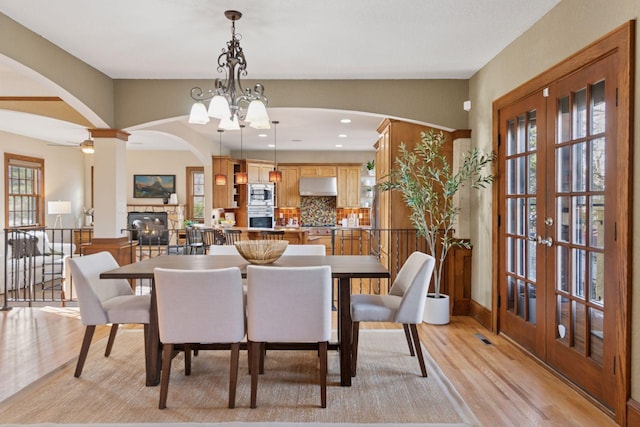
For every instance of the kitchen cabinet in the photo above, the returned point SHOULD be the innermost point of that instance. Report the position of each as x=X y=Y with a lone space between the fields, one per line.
x=317 y=170
x=293 y=236
x=348 y=186
x=258 y=172
x=82 y=236
x=393 y=212
x=321 y=240
x=225 y=196
x=287 y=191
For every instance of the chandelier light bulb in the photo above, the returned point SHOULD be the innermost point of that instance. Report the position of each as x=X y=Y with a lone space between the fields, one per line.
x=199 y=114
x=256 y=112
x=219 y=107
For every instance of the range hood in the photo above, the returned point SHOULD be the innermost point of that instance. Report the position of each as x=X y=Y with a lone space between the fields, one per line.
x=318 y=186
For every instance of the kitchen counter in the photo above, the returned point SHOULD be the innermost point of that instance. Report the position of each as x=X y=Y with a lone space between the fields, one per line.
x=295 y=235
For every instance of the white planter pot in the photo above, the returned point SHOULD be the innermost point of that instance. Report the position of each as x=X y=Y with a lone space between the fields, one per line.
x=371 y=172
x=436 y=310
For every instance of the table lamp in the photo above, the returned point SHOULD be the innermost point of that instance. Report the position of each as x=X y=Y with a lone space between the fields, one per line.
x=59 y=208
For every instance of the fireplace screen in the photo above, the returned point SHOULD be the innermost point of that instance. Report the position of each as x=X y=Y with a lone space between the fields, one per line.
x=148 y=228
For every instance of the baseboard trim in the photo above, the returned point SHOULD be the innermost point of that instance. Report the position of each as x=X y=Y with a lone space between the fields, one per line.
x=481 y=314
x=633 y=412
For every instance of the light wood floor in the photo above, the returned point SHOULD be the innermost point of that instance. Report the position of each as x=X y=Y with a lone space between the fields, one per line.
x=501 y=384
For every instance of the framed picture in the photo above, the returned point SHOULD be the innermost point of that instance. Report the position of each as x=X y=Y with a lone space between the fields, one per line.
x=153 y=186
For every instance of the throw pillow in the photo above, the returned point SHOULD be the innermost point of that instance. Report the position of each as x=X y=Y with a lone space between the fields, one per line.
x=23 y=246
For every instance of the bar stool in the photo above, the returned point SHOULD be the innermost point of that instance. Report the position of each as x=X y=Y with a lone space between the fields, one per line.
x=195 y=244
x=231 y=236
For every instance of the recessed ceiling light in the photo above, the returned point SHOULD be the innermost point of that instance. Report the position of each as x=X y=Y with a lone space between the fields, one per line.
x=338 y=145
x=342 y=135
x=345 y=121
x=262 y=135
x=270 y=145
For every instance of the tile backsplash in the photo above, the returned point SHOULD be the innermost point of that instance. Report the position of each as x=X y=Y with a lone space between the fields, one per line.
x=320 y=210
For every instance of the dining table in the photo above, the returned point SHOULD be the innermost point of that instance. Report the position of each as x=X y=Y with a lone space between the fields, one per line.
x=344 y=268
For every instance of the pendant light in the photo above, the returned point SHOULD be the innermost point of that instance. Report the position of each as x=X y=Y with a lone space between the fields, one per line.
x=275 y=175
x=220 y=178
x=241 y=177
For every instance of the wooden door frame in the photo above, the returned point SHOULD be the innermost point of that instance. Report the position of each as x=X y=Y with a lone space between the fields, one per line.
x=619 y=42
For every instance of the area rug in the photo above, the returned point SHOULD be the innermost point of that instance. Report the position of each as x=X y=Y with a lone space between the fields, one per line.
x=388 y=389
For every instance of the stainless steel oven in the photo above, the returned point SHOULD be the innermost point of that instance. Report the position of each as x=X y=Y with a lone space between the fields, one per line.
x=260 y=216
x=261 y=195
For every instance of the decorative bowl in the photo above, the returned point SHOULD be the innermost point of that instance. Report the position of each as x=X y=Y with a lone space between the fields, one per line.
x=227 y=224
x=261 y=251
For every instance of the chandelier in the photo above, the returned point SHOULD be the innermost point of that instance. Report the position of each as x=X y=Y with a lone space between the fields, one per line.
x=228 y=99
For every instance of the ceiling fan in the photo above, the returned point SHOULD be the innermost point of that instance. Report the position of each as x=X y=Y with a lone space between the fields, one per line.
x=86 y=146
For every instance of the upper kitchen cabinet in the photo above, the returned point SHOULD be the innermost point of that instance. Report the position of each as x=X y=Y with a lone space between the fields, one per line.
x=317 y=170
x=258 y=172
x=225 y=196
x=287 y=191
x=348 y=186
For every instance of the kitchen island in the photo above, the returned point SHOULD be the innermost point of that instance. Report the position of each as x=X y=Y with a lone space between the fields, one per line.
x=295 y=235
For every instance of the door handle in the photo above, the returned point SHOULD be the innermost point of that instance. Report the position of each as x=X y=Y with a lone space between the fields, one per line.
x=548 y=241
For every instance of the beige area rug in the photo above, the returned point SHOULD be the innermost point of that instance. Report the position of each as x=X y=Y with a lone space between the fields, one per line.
x=387 y=390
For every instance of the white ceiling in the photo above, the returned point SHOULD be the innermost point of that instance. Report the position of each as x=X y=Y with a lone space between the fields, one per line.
x=282 y=39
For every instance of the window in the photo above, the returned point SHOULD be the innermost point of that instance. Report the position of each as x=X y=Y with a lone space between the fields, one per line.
x=195 y=194
x=24 y=189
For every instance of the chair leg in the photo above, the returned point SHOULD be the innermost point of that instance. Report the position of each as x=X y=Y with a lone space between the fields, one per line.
x=84 y=350
x=416 y=340
x=323 y=373
x=354 y=347
x=233 y=374
x=407 y=335
x=255 y=368
x=146 y=340
x=167 y=352
x=187 y=359
x=263 y=353
x=112 y=338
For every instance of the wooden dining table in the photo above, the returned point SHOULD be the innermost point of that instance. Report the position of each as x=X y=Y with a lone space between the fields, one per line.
x=343 y=268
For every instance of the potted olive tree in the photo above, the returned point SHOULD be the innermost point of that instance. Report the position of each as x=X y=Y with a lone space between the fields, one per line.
x=428 y=186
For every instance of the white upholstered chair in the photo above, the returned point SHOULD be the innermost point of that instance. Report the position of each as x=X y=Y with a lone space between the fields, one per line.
x=199 y=307
x=288 y=305
x=104 y=301
x=305 y=250
x=404 y=304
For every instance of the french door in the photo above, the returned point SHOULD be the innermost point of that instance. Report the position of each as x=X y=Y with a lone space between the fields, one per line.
x=581 y=249
x=563 y=232
x=522 y=256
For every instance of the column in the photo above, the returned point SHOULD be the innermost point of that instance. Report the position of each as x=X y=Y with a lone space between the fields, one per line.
x=110 y=195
